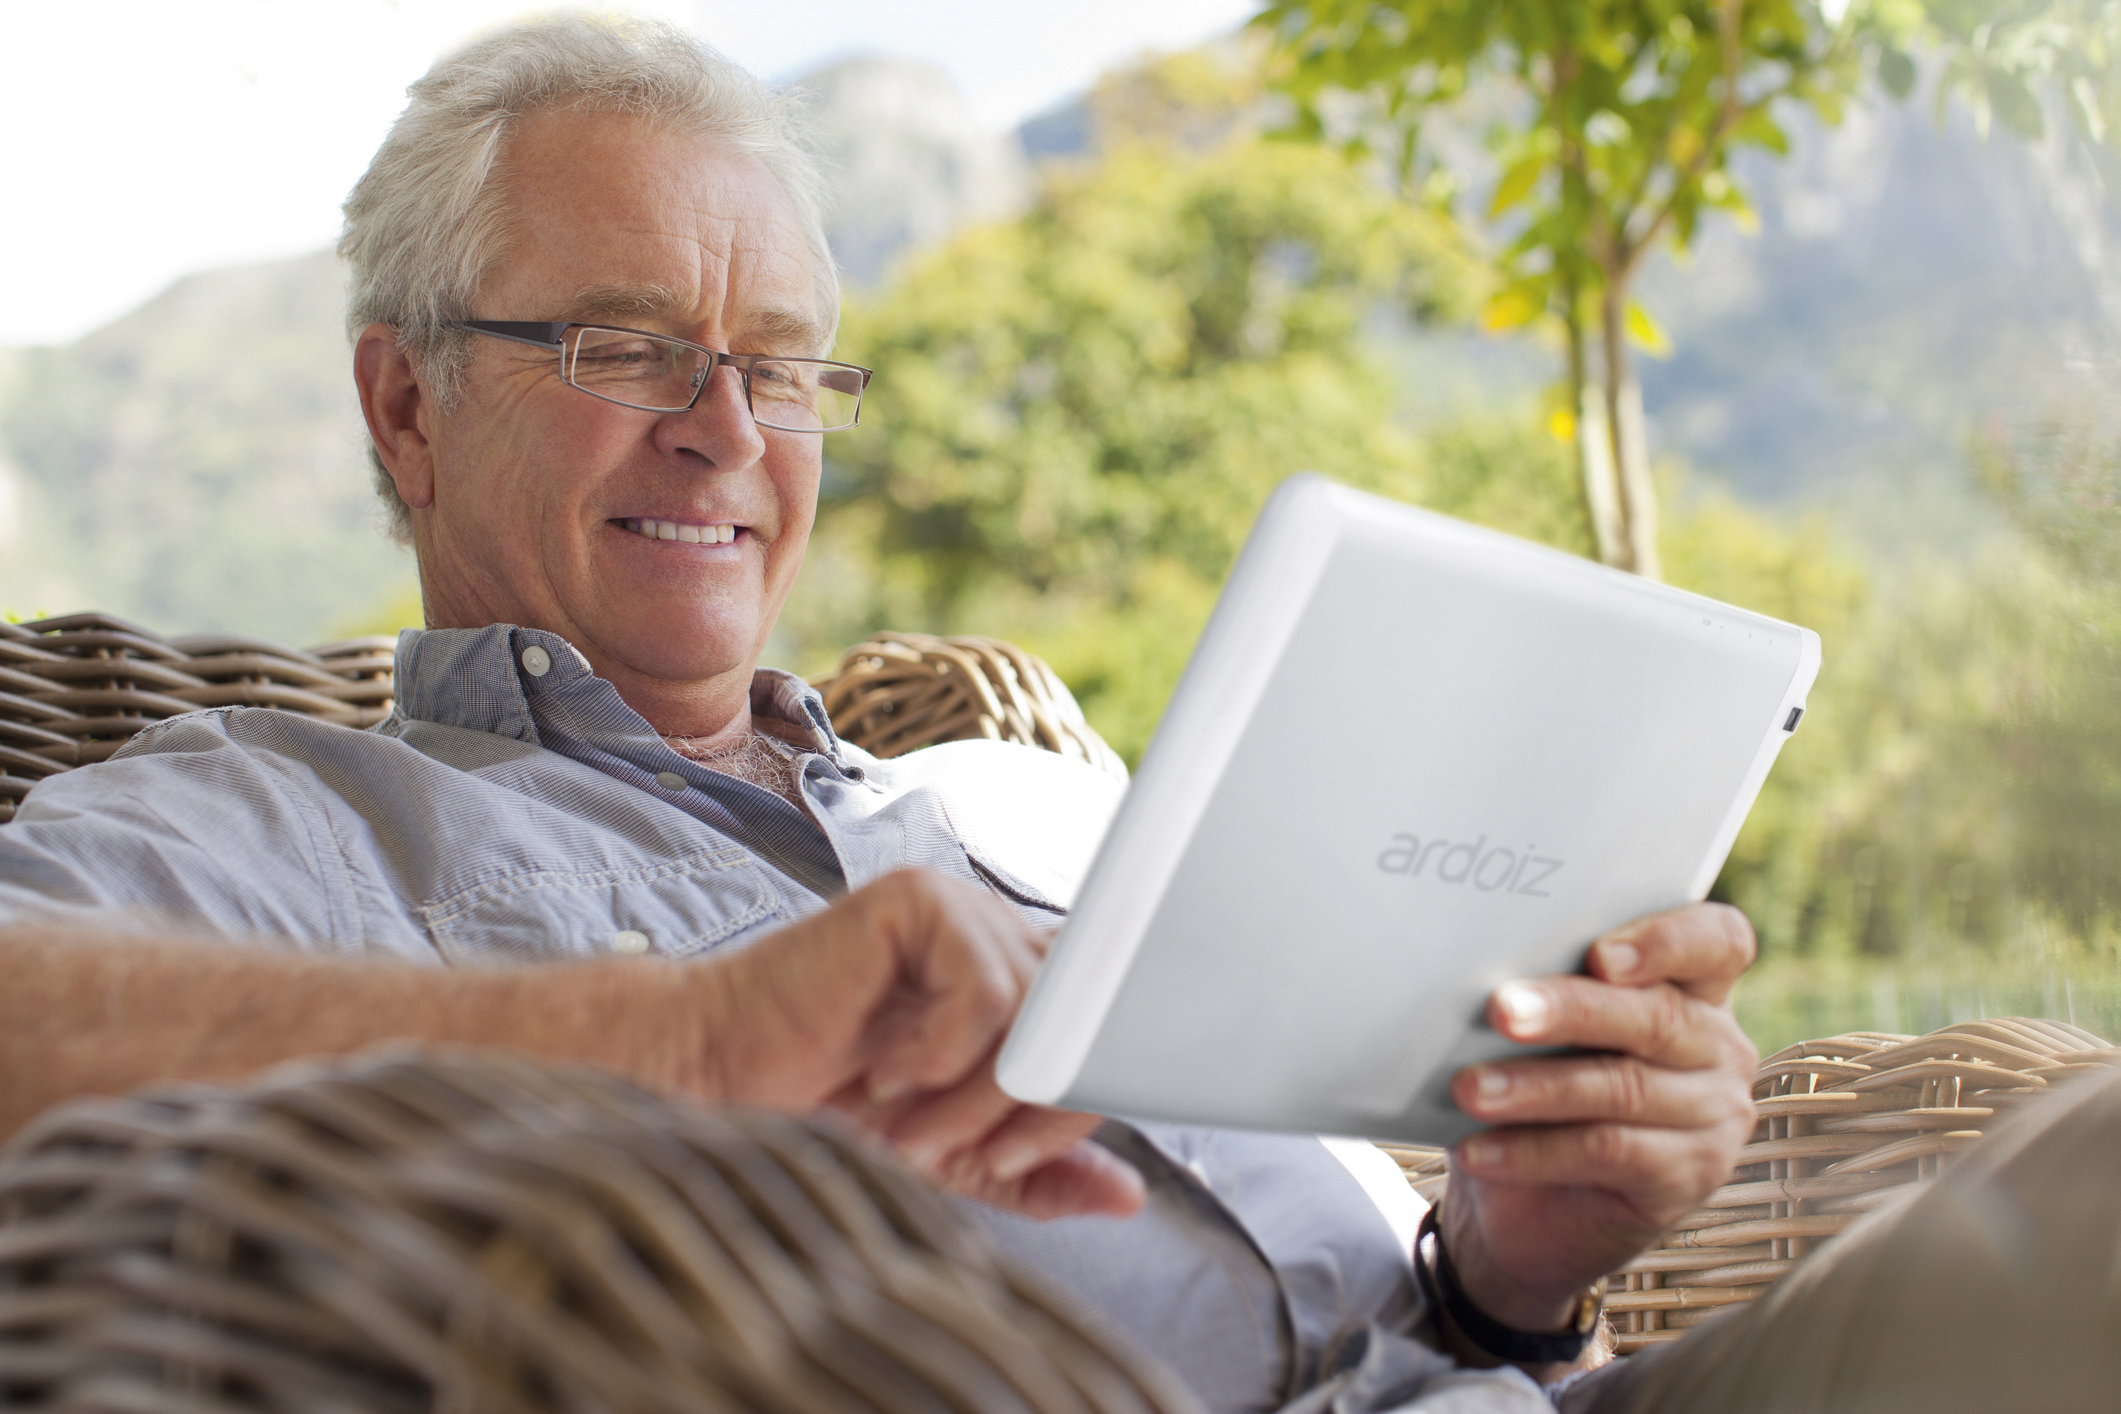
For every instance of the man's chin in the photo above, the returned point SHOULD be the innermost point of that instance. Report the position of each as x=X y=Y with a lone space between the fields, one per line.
x=682 y=649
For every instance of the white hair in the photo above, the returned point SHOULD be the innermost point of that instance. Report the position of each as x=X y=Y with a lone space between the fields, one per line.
x=427 y=220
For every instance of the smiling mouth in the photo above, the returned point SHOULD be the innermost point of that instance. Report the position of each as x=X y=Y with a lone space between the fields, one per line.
x=683 y=534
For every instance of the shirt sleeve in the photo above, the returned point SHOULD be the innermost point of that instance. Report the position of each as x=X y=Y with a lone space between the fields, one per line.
x=184 y=830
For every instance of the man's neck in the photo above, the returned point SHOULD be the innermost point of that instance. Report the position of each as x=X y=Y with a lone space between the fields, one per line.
x=710 y=714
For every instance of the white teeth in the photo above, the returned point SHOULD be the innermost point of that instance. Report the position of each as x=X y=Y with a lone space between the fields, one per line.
x=683 y=534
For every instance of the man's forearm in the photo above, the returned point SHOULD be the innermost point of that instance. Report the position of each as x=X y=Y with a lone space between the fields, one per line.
x=889 y=1004
x=87 y=1013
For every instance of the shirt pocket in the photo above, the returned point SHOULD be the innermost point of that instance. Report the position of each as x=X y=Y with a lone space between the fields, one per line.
x=669 y=908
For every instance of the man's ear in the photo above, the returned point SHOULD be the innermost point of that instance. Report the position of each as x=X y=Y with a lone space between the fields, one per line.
x=399 y=411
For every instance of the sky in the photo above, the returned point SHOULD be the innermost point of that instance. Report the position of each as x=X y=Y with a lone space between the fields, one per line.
x=151 y=140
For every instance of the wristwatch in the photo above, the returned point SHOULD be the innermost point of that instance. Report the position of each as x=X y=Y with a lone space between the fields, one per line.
x=1501 y=1341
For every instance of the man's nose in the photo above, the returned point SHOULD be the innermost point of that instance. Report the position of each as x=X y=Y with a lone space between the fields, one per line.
x=718 y=427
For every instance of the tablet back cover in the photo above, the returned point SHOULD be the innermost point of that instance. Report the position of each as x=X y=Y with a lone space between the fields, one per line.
x=1410 y=759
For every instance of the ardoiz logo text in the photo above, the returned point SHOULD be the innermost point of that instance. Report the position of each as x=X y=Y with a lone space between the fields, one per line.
x=1497 y=870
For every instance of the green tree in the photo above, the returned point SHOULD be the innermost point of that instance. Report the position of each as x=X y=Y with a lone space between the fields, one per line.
x=1955 y=793
x=1077 y=415
x=1627 y=116
x=1630 y=113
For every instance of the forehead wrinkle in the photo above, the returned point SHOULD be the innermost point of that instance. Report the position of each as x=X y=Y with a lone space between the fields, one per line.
x=777 y=328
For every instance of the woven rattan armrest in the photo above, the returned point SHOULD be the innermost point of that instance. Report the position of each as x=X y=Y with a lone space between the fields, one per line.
x=1844 y=1124
x=74 y=689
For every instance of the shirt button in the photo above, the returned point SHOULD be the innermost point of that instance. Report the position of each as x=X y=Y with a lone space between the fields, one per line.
x=671 y=780
x=629 y=942
x=536 y=661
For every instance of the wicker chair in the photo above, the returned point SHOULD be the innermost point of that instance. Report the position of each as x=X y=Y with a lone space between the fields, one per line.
x=898 y=692
x=1844 y=1122
x=470 y=1232
x=75 y=689
x=1845 y=1125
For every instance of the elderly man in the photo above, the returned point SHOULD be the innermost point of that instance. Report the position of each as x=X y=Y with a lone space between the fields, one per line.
x=591 y=308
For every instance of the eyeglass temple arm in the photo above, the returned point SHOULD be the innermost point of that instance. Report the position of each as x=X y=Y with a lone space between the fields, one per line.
x=542 y=336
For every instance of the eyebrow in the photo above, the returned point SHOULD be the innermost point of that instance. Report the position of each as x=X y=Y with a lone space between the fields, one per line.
x=789 y=329
x=594 y=302
x=777 y=330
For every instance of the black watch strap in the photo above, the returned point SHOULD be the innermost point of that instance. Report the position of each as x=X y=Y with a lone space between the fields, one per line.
x=1501 y=1341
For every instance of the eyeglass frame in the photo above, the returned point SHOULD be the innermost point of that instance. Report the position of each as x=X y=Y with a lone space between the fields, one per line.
x=545 y=335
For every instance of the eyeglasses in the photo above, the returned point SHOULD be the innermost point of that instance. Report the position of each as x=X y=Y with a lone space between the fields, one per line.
x=656 y=373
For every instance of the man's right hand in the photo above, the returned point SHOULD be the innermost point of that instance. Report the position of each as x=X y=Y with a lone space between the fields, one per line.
x=891 y=1006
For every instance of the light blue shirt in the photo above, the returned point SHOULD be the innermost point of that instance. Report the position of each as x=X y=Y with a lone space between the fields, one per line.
x=514 y=809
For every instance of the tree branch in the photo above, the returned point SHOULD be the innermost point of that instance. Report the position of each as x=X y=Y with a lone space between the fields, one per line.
x=1730 y=16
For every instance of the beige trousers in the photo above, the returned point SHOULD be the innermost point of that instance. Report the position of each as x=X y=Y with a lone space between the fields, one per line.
x=1997 y=1288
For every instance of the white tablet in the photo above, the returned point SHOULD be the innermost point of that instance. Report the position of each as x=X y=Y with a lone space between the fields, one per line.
x=1409 y=760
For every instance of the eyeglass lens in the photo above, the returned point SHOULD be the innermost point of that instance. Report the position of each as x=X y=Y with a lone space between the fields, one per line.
x=659 y=375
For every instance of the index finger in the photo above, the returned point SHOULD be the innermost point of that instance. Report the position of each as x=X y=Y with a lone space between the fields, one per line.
x=1702 y=948
x=966 y=957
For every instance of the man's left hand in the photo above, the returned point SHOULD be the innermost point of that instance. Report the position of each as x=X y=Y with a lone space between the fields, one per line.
x=1594 y=1155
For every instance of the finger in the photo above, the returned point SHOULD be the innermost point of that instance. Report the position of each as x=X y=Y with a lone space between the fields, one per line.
x=854 y=1101
x=1030 y=1136
x=1083 y=1179
x=1661 y=1024
x=966 y=960
x=1583 y=1089
x=903 y=985
x=1703 y=948
x=1662 y=1173
x=937 y=1128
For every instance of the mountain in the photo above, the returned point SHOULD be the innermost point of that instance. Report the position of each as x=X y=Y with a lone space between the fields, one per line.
x=199 y=464
x=1910 y=287
x=907 y=161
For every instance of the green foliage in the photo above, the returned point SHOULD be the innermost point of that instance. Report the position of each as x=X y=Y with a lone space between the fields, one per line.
x=1787 y=998
x=1954 y=796
x=1633 y=110
x=1727 y=551
x=1622 y=120
x=1497 y=470
x=1999 y=54
x=1618 y=124
x=1077 y=415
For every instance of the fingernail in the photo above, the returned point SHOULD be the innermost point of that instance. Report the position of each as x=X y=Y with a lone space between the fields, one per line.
x=1618 y=959
x=889 y=1091
x=924 y=1156
x=1525 y=1007
x=1480 y=1153
x=1013 y=1161
x=1491 y=1082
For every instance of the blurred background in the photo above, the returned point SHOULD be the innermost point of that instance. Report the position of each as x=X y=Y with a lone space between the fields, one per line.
x=1122 y=267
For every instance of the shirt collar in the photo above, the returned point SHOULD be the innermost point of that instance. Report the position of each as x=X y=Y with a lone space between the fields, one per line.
x=528 y=684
